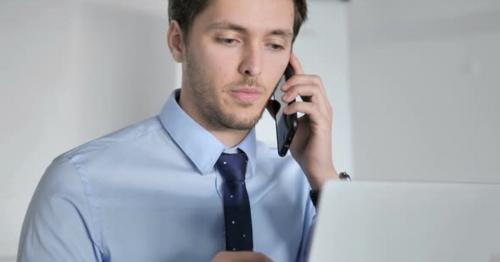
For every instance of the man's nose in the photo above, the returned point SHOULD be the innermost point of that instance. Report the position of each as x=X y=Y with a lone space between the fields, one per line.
x=251 y=64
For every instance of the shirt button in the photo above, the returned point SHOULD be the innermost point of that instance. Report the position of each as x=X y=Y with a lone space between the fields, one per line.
x=244 y=236
x=233 y=222
x=231 y=196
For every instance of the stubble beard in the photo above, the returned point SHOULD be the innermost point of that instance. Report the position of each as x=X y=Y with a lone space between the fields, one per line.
x=208 y=104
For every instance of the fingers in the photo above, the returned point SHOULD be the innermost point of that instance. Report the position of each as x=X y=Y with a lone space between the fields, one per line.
x=312 y=80
x=297 y=67
x=299 y=78
x=310 y=109
x=302 y=90
x=302 y=107
x=310 y=87
x=310 y=92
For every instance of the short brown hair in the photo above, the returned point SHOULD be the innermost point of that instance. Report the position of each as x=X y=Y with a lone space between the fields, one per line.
x=184 y=12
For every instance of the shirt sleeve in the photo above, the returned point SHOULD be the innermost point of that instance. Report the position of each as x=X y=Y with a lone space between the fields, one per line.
x=309 y=222
x=58 y=224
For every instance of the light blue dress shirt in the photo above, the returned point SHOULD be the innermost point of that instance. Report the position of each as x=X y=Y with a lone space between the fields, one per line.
x=150 y=192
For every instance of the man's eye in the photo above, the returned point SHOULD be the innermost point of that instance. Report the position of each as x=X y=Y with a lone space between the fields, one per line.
x=276 y=47
x=227 y=41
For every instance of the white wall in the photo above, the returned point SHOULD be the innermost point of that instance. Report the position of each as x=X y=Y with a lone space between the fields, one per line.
x=70 y=71
x=425 y=78
x=74 y=70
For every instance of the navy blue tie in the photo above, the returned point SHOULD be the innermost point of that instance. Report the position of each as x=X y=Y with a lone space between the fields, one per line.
x=237 y=216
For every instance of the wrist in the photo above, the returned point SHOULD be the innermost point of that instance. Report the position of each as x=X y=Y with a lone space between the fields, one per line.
x=316 y=181
x=314 y=194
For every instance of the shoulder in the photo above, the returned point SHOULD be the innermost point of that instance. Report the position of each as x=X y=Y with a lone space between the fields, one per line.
x=103 y=148
x=118 y=144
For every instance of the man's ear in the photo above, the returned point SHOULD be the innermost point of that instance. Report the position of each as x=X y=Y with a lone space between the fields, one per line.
x=175 y=40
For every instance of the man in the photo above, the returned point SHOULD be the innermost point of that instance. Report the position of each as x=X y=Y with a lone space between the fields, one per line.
x=165 y=189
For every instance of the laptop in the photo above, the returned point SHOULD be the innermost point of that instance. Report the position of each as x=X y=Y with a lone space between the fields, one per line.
x=406 y=221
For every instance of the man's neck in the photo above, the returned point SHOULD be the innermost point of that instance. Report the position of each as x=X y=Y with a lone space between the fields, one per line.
x=229 y=137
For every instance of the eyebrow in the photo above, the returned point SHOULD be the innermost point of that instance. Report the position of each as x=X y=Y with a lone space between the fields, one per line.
x=234 y=27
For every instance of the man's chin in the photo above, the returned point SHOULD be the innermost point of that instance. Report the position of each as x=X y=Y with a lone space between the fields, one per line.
x=238 y=122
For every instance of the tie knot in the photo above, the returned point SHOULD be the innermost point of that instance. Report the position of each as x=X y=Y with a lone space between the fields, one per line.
x=232 y=166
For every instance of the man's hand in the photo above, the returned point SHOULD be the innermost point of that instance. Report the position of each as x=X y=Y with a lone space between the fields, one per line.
x=241 y=256
x=312 y=144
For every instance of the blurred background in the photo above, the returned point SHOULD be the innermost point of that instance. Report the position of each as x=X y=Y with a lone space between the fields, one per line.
x=414 y=86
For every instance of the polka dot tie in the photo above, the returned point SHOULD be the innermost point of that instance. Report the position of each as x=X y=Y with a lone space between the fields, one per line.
x=237 y=216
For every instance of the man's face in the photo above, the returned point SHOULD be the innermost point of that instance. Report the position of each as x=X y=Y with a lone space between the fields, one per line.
x=236 y=52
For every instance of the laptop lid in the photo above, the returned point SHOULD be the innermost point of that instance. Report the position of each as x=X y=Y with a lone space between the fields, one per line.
x=398 y=221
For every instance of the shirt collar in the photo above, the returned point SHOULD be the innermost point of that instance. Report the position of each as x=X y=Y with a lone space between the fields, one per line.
x=199 y=145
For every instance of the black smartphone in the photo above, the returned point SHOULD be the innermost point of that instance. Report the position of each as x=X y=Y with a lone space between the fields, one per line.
x=286 y=125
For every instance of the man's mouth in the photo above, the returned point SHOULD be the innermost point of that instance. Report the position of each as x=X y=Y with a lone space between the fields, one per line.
x=246 y=95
